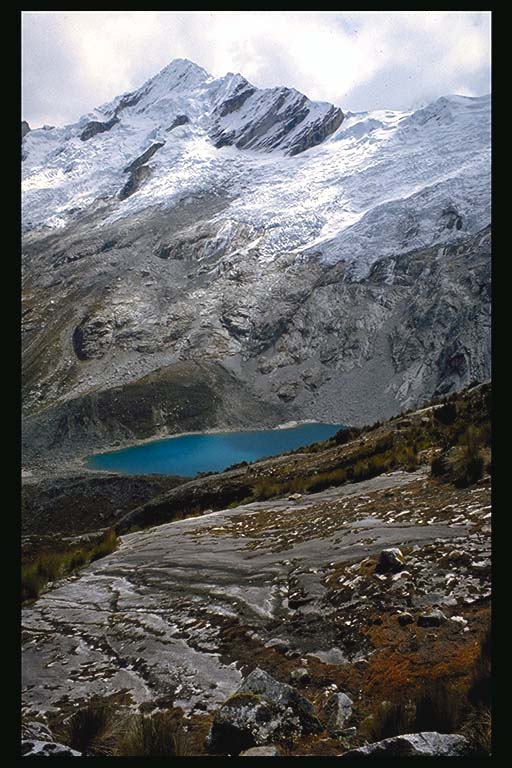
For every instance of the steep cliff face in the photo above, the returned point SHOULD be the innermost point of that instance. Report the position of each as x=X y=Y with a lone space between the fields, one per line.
x=324 y=267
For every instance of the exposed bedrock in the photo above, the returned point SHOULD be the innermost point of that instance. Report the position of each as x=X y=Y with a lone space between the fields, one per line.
x=318 y=131
x=187 y=610
x=268 y=119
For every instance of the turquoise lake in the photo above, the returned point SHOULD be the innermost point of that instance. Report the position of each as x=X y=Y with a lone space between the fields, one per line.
x=191 y=454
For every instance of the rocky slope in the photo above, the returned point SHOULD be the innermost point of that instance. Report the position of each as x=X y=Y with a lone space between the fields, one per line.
x=320 y=265
x=286 y=621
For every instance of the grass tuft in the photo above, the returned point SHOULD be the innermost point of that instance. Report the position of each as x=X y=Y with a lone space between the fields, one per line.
x=90 y=730
x=157 y=735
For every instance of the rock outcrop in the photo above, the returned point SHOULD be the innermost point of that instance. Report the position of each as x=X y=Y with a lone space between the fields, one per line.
x=273 y=118
x=178 y=120
x=97 y=126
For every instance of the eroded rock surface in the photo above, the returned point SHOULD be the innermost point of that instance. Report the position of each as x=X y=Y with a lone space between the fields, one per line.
x=186 y=610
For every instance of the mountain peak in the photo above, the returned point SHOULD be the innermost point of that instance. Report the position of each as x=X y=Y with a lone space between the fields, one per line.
x=182 y=70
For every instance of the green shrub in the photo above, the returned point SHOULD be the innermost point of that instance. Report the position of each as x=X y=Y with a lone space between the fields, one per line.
x=469 y=463
x=267 y=489
x=49 y=567
x=76 y=559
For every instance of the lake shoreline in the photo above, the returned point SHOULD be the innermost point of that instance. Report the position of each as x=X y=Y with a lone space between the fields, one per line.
x=157 y=440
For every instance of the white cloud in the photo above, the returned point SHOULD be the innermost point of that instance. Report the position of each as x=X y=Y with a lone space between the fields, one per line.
x=76 y=60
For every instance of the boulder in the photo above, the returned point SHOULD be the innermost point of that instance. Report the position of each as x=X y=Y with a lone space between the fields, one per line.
x=284 y=696
x=432 y=619
x=337 y=712
x=268 y=751
x=245 y=720
x=261 y=712
x=390 y=561
x=35 y=748
x=405 y=618
x=425 y=744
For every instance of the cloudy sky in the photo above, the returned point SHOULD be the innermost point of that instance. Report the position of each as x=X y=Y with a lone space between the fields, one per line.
x=74 y=61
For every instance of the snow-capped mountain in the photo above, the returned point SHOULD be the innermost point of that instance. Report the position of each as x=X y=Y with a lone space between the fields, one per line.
x=319 y=256
x=402 y=175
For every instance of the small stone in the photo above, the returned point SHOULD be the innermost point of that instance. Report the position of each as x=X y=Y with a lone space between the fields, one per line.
x=433 y=619
x=277 y=644
x=295 y=496
x=459 y=620
x=390 y=561
x=300 y=676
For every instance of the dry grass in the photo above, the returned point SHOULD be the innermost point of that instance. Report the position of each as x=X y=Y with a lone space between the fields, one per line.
x=93 y=730
x=157 y=735
x=104 y=729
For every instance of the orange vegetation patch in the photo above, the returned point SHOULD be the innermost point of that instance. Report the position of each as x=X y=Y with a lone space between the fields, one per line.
x=406 y=658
